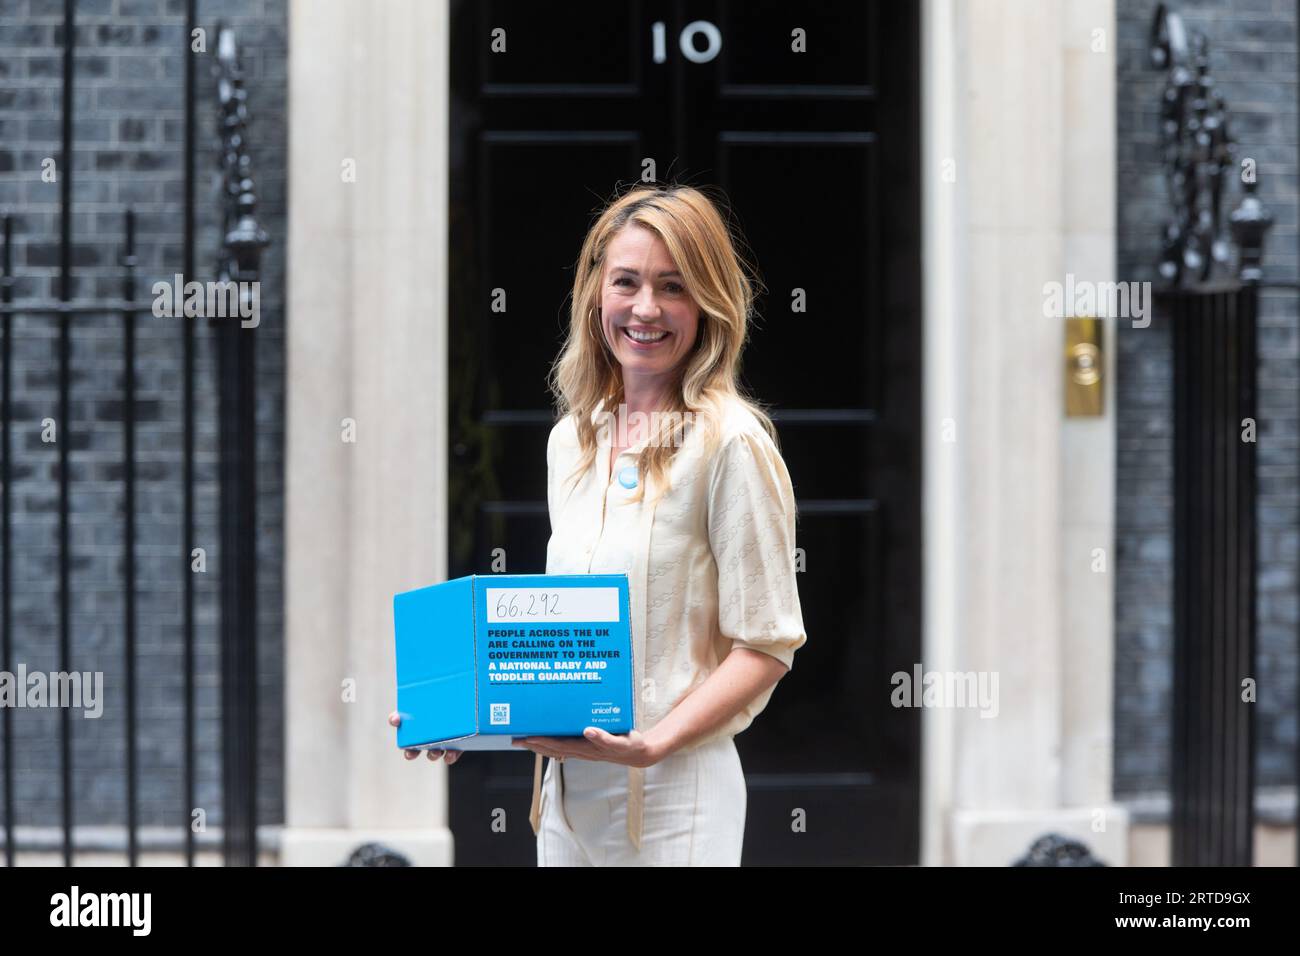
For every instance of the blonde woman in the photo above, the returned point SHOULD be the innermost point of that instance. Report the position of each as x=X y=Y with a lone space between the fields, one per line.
x=661 y=468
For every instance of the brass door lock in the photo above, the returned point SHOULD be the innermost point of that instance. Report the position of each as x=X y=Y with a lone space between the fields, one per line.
x=1084 y=360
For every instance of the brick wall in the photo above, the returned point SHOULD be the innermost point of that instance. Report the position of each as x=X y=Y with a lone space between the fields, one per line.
x=129 y=129
x=1253 y=58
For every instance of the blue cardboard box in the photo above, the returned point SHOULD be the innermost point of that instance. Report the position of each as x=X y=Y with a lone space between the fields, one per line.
x=487 y=658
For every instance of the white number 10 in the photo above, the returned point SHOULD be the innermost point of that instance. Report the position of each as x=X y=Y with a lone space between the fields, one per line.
x=712 y=36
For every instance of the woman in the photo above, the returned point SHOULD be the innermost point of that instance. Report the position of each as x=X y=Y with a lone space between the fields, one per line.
x=660 y=468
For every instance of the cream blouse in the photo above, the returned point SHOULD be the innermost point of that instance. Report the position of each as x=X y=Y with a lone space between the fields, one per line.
x=710 y=566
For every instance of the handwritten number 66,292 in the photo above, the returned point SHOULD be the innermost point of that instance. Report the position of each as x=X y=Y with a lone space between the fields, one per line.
x=539 y=605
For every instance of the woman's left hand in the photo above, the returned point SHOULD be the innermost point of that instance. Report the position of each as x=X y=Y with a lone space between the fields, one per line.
x=634 y=750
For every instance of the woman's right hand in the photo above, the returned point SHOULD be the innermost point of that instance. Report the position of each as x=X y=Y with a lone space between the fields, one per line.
x=452 y=755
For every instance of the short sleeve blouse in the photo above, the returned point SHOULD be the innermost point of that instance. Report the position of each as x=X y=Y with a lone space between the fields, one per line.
x=711 y=564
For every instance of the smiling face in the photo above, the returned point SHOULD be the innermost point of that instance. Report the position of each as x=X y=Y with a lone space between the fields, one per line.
x=648 y=318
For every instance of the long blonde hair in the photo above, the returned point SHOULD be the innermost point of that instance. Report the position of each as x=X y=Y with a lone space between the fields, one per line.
x=587 y=376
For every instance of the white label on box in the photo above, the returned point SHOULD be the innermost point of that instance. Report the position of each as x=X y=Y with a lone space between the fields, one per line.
x=558 y=605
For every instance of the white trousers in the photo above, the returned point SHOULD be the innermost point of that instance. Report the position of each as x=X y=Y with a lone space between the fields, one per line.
x=694 y=811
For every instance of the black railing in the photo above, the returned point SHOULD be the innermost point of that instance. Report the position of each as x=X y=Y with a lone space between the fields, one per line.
x=6 y=530
x=1213 y=314
x=1215 y=559
x=242 y=242
x=240 y=260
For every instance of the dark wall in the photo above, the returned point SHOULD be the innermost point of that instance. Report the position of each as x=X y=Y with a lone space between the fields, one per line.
x=1253 y=57
x=129 y=128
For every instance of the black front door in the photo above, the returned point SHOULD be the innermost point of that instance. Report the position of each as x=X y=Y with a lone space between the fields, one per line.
x=808 y=119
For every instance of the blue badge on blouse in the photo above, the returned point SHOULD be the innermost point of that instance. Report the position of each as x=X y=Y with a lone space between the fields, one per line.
x=627 y=476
